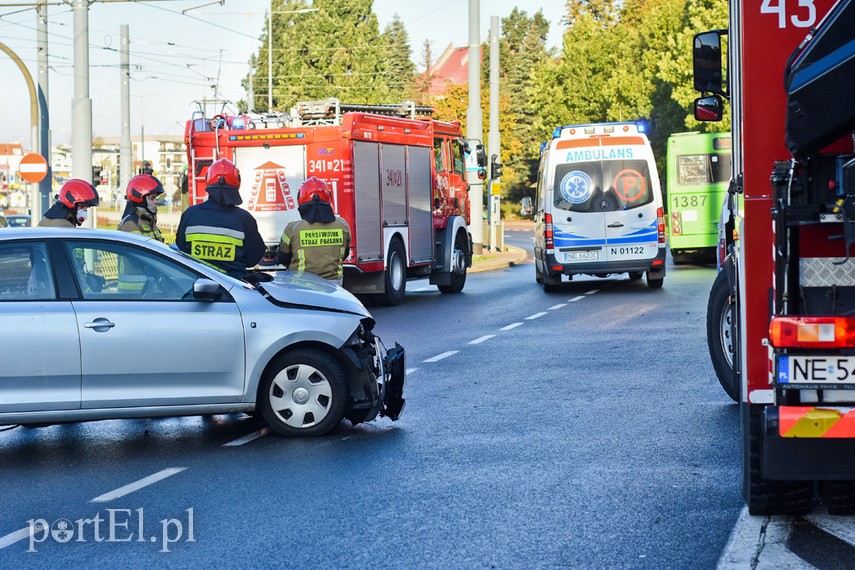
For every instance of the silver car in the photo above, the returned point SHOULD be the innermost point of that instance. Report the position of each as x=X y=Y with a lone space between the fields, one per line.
x=98 y=324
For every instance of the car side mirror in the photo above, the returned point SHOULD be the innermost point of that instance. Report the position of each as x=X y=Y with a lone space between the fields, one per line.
x=206 y=290
x=708 y=108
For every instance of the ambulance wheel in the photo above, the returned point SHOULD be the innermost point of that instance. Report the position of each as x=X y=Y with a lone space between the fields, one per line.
x=303 y=393
x=721 y=335
x=538 y=276
x=550 y=284
x=764 y=496
x=636 y=275
x=838 y=496
x=458 y=259
x=654 y=282
x=396 y=275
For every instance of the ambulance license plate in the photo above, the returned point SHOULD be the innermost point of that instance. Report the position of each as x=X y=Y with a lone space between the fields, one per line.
x=582 y=256
x=816 y=370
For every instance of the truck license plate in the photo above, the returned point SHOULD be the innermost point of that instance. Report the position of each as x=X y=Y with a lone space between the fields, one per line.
x=816 y=370
x=582 y=256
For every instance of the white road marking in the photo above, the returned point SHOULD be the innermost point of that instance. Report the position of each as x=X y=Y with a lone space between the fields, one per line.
x=759 y=542
x=19 y=535
x=131 y=487
x=439 y=357
x=534 y=316
x=248 y=437
x=580 y=297
x=482 y=339
x=511 y=326
x=422 y=289
x=410 y=371
x=558 y=306
x=592 y=291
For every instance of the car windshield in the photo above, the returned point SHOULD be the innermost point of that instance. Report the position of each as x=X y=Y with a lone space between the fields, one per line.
x=602 y=186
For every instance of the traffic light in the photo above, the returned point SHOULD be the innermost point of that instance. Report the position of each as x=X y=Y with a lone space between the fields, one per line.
x=495 y=168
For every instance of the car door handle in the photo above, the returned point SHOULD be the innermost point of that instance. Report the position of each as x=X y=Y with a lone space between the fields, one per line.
x=99 y=323
x=615 y=225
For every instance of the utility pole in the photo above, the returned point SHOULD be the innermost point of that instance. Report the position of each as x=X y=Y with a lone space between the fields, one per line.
x=41 y=205
x=81 y=104
x=270 y=59
x=474 y=128
x=125 y=159
x=494 y=149
x=250 y=97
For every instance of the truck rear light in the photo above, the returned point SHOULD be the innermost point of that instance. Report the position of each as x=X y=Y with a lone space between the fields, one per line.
x=658 y=262
x=660 y=224
x=676 y=224
x=812 y=332
x=549 y=242
x=557 y=267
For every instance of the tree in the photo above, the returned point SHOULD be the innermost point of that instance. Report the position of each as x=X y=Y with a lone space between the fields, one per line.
x=398 y=66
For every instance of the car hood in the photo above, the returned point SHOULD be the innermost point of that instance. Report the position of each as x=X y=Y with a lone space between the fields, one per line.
x=310 y=291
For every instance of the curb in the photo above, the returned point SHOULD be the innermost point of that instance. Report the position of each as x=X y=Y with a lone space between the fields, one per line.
x=519 y=256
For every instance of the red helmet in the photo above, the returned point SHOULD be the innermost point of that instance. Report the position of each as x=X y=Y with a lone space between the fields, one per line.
x=76 y=192
x=141 y=186
x=310 y=189
x=222 y=172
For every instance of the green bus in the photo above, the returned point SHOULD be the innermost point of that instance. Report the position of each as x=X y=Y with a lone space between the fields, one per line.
x=698 y=166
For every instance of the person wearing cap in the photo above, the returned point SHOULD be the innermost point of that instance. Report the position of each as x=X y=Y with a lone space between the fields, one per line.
x=320 y=240
x=217 y=232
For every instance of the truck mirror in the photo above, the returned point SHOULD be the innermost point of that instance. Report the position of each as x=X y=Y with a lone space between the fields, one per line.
x=481 y=155
x=708 y=108
x=706 y=62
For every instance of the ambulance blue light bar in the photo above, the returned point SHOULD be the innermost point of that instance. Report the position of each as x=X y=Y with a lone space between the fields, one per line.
x=594 y=129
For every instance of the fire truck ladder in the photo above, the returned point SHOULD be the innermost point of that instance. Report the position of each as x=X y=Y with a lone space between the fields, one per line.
x=329 y=111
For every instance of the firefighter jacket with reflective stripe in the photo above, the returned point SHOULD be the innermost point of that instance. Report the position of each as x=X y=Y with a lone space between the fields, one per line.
x=318 y=248
x=58 y=216
x=225 y=237
x=141 y=221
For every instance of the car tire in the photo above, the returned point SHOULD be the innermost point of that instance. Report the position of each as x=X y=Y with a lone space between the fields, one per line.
x=395 y=275
x=721 y=335
x=458 y=280
x=303 y=393
x=654 y=282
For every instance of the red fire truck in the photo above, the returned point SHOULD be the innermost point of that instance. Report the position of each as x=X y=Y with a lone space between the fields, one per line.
x=790 y=276
x=398 y=178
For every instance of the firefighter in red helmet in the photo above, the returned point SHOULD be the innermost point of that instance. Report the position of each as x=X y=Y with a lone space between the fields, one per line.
x=318 y=242
x=216 y=231
x=71 y=206
x=140 y=215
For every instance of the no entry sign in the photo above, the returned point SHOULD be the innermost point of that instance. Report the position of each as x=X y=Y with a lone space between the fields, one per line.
x=33 y=167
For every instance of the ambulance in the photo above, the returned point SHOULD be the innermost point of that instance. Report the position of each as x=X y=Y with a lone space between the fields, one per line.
x=598 y=206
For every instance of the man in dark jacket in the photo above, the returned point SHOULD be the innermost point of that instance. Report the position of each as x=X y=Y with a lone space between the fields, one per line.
x=216 y=231
x=72 y=205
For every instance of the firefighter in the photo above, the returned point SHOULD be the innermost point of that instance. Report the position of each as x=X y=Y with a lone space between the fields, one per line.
x=216 y=231
x=140 y=215
x=320 y=241
x=71 y=206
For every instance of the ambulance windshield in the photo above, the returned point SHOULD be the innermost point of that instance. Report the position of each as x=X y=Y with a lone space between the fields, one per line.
x=602 y=186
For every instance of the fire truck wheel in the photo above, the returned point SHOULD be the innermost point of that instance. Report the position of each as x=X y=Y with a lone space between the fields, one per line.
x=721 y=335
x=764 y=496
x=458 y=280
x=303 y=393
x=654 y=282
x=396 y=274
x=838 y=496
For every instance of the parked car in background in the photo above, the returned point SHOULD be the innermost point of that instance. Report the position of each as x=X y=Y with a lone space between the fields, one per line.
x=18 y=220
x=295 y=349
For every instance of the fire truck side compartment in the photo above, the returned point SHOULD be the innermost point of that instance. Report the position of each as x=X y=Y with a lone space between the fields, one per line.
x=420 y=191
x=393 y=185
x=366 y=182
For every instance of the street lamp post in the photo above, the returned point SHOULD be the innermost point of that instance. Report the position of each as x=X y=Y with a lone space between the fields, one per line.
x=270 y=48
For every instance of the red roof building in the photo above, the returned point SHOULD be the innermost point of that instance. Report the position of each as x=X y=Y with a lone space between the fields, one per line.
x=450 y=68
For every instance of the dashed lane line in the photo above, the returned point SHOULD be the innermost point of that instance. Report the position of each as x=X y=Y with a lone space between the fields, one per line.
x=534 y=316
x=137 y=485
x=410 y=370
x=558 y=306
x=482 y=339
x=592 y=291
x=248 y=437
x=439 y=357
x=579 y=298
x=511 y=326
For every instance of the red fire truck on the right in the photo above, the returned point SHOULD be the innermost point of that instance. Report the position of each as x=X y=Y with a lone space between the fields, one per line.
x=790 y=275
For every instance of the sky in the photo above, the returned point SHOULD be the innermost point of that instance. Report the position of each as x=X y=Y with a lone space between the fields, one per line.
x=176 y=58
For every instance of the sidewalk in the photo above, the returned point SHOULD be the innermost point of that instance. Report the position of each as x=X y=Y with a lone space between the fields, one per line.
x=499 y=260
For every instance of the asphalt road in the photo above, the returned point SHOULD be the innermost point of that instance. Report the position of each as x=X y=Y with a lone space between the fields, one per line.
x=582 y=429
